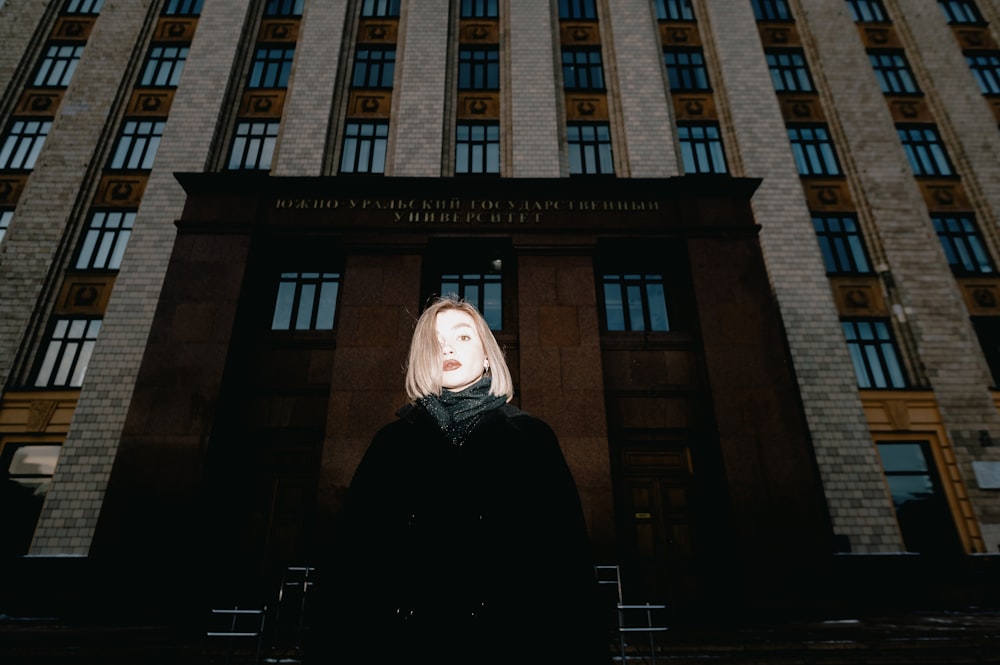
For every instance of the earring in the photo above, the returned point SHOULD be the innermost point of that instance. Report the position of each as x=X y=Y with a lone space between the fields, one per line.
x=486 y=367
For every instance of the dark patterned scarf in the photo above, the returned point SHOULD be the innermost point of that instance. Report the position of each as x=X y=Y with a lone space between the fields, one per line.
x=457 y=413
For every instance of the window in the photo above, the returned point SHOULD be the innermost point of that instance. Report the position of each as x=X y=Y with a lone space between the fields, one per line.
x=701 y=148
x=271 y=67
x=921 y=507
x=963 y=244
x=22 y=143
x=478 y=68
x=925 y=151
x=364 y=147
x=842 y=245
x=104 y=242
x=5 y=217
x=961 y=11
x=183 y=7
x=137 y=145
x=26 y=471
x=253 y=146
x=284 y=8
x=686 y=69
x=589 y=149
x=867 y=11
x=634 y=302
x=813 y=150
x=674 y=10
x=988 y=331
x=771 y=10
x=986 y=68
x=164 y=66
x=57 y=66
x=873 y=352
x=789 y=71
x=67 y=353
x=582 y=69
x=479 y=8
x=477 y=148
x=380 y=8
x=83 y=7
x=306 y=301
x=893 y=72
x=482 y=289
x=374 y=68
x=577 y=10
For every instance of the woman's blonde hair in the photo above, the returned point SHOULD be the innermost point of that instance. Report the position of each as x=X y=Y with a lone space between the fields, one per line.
x=423 y=367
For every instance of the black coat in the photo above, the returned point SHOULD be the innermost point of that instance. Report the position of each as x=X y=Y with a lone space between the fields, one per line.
x=464 y=554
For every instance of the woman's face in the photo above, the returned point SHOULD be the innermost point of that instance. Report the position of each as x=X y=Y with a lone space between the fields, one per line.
x=463 y=357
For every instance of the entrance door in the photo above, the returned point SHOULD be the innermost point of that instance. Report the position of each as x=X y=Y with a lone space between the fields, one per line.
x=656 y=520
x=921 y=505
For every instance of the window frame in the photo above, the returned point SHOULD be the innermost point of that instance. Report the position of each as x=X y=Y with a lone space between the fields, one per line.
x=55 y=64
x=964 y=248
x=588 y=152
x=157 y=63
x=284 y=8
x=52 y=361
x=310 y=293
x=375 y=144
x=844 y=250
x=474 y=264
x=815 y=155
x=270 y=67
x=137 y=145
x=82 y=7
x=704 y=150
x=687 y=76
x=481 y=153
x=256 y=149
x=19 y=149
x=478 y=73
x=892 y=69
x=927 y=156
x=381 y=68
x=380 y=9
x=673 y=10
x=987 y=74
x=961 y=12
x=868 y=11
x=479 y=9
x=6 y=216
x=183 y=7
x=577 y=10
x=772 y=10
x=103 y=243
x=875 y=354
x=789 y=70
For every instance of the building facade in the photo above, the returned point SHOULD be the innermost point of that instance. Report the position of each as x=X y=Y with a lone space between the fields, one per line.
x=742 y=256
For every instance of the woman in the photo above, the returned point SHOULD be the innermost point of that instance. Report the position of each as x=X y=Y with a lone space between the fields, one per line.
x=462 y=538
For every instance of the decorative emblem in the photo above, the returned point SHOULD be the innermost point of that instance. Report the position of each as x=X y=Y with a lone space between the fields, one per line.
x=150 y=103
x=984 y=297
x=857 y=299
x=802 y=110
x=878 y=36
x=694 y=107
x=40 y=103
x=121 y=191
x=827 y=195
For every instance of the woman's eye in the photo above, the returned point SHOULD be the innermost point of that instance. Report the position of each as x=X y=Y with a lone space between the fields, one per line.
x=464 y=338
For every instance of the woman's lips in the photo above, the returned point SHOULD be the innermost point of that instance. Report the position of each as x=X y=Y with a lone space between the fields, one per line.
x=451 y=364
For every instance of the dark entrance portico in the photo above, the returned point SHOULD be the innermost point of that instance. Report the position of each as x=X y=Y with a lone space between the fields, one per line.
x=689 y=445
